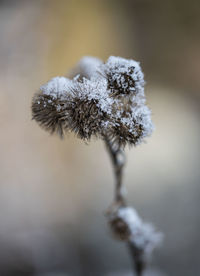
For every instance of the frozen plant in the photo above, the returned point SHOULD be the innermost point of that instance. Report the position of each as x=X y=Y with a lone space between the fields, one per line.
x=106 y=101
x=109 y=102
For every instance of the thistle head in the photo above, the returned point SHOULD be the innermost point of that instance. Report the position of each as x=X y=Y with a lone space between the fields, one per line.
x=124 y=76
x=132 y=117
x=102 y=99
x=71 y=105
x=52 y=104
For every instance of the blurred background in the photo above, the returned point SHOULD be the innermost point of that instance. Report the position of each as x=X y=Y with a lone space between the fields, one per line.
x=53 y=193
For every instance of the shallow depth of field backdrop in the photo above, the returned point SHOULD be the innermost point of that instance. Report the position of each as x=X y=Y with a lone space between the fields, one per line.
x=53 y=193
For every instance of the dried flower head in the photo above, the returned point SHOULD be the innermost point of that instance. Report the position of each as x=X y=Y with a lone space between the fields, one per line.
x=78 y=106
x=51 y=105
x=90 y=108
x=131 y=126
x=103 y=99
x=124 y=76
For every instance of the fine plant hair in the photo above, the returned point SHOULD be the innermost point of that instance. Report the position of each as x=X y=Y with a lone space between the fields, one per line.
x=106 y=101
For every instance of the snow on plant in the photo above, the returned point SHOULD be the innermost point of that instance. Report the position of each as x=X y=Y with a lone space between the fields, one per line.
x=106 y=101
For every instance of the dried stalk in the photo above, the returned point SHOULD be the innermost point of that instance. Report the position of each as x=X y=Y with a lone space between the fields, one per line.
x=118 y=159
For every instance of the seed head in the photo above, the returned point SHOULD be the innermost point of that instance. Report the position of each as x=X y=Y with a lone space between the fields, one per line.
x=78 y=106
x=103 y=99
x=89 y=109
x=124 y=76
x=51 y=105
x=131 y=126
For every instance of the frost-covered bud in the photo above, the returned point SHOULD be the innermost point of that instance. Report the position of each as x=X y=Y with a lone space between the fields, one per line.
x=90 y=108
x=81 y=107
x=51 y=105
x=86 y=67
x=131 y=126
x=124 y=76
x=127 y=225
x=121 y=221
x=131 y=118
x=102 y=100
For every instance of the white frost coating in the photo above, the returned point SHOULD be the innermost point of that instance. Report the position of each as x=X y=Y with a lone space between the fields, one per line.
x=117 y=88
x=126 y=76
x=137 y=115
x=143 y=235
x=117 y=67
x=57 y=86
x=95 y=89
x=142 y=115
x=121 y=64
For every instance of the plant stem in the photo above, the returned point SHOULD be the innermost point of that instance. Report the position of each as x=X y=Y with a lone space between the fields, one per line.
x=138 y=261
x=118 y=160
x=117 y=156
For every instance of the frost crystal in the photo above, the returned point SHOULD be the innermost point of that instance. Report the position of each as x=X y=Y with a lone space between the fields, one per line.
x=103 y=99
